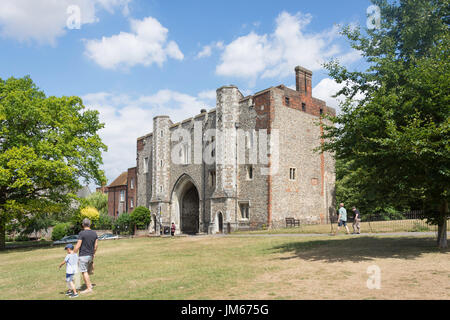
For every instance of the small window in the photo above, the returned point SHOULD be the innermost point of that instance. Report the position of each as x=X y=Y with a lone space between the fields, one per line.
x=146 y=165
x=160 y=189
x=321 y=111
x=245 y=210
x=213 y=150
x=162 y=133
x=132 y=183
x=292 y=174
x=286 y=100
x=122 y=195
x=249 y=172
x=185 y=153
x=304 y=107
x=212 y=178
x=161 y=163
x=131 y=203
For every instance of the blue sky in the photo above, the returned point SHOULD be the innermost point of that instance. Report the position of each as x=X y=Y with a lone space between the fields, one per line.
x=134 y=59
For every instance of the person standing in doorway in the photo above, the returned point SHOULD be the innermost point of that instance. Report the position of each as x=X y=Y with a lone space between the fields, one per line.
x=87 y=246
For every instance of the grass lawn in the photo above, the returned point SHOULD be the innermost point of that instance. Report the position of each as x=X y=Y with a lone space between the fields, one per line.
x=234 y=267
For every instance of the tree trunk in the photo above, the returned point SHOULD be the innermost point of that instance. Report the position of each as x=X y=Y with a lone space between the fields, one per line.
x=442 y=227
x=2 y=234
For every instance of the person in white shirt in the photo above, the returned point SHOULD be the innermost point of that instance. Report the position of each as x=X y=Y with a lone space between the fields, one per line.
x=71 y=262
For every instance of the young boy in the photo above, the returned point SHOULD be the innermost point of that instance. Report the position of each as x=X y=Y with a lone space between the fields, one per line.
x=71 y=262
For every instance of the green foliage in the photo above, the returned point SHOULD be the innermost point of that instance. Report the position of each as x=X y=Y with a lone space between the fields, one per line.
x=96 y=200
x=48 y=144
x=61 y=230
x=105 y=222
x=140 y=217
x=396 y=137
x=37 y=223
x=123 y=224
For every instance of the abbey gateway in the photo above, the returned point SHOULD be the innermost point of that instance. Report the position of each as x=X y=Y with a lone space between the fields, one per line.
x=247 y=164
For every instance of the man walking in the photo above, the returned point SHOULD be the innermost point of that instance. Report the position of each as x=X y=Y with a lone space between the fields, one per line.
x=356 y=221
x=87 y=245
x=342 y=219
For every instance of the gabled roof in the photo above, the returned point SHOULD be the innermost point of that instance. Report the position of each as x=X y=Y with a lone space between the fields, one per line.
x=120 y=180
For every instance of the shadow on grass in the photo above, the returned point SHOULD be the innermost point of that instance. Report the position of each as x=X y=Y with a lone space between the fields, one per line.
x=359 y=249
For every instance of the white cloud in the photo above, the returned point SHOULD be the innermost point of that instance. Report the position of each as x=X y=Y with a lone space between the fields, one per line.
x=44 y=21
x=275 y=55
x=145 y=44
x=126 y=118
x=327 y=88
x=208 y=49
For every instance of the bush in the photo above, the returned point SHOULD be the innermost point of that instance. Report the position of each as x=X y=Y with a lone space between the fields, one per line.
x=140 y=217
x=22 y=237
x=104 y=222
x=88 y=212
x=123 y=224
x=61 y=230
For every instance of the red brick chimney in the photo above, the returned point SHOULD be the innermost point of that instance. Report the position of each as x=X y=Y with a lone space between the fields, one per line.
x=303 y=81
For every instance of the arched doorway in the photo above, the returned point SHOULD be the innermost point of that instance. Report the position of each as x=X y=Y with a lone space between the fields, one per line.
x=190 y=211
x=185 y=206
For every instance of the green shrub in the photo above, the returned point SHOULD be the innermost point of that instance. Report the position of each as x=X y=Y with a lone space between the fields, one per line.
x=61 y=230
x=123 y=224
x=140 y=217
x=22 y=237
x=104 y=222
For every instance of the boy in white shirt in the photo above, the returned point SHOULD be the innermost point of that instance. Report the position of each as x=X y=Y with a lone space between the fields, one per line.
x=71 y=262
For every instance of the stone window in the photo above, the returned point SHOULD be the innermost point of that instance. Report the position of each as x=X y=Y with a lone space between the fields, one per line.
x=321 y=111
x=304 y=107
x=286 y=100
x=122 y=195
x=161 y=163
x=162 y=133
x=185 y=153
x=292 y=174
x=146 y=165
x=212 y=178
x=249 y=170
x=245 y=210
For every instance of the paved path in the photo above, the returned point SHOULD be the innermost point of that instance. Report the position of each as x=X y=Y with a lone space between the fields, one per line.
x=400 y=234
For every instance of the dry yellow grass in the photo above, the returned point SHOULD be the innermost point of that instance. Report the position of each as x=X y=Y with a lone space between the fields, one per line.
x=236 y=267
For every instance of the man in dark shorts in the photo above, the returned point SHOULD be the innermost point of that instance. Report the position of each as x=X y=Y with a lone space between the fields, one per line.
x=87 y=245
x=356 y=221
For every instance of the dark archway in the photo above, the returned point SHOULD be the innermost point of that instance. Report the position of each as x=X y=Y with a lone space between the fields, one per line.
x=220 y=221
x=185 y=205
x=190 y=211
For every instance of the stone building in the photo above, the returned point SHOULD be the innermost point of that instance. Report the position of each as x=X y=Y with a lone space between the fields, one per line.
x=122 y=193
x=248 y=163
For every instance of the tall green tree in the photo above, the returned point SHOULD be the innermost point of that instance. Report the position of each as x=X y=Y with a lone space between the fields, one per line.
x=398 y=134
x=47 y=146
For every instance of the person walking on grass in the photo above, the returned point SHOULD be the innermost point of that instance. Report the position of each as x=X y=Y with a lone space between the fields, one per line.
x=342 y=219
x=356 y=221
x=71 y=262
x=87 y=246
